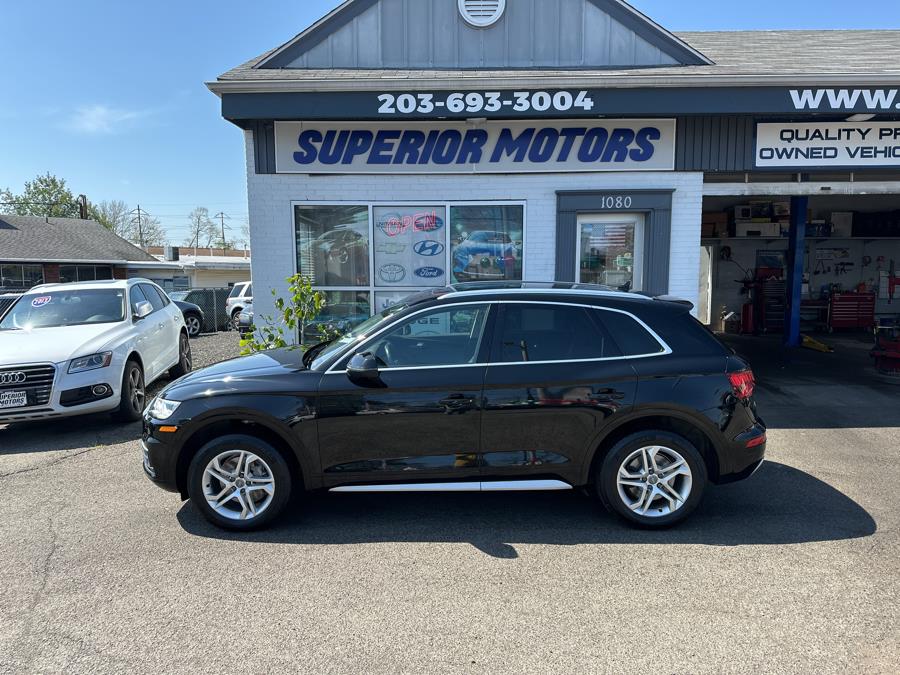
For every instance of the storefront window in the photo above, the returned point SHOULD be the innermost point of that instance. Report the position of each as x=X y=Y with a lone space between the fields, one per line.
x=486 y=242
x=410 y=246
x=610 y=251
x=344 y=310
x=333 y=244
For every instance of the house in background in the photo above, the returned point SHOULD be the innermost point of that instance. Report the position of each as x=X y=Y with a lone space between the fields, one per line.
x=36 y=250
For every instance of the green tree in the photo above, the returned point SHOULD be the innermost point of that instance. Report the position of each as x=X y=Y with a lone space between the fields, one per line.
x=46 y=195
x=302 y=306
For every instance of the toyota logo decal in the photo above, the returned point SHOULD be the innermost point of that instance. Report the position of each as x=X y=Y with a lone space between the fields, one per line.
x=17 y=377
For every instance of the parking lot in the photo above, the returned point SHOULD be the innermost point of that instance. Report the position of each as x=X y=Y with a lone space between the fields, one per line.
x=796 y=569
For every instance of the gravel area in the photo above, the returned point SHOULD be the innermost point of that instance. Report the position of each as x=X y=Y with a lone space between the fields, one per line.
x=206 y=349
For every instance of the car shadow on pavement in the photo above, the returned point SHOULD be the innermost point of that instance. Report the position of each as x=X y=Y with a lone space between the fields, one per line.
x=779 y=505
x=69 y=433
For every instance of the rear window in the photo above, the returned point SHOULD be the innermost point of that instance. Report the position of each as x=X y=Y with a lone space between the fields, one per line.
x=685 y=335
x=550 y=333
x=631 y=337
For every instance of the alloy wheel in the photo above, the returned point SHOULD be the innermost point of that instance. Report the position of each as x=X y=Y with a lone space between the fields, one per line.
x=136 y=389
x=193 y=326
x=654 y=481
x=238 y=485
x=186 y=358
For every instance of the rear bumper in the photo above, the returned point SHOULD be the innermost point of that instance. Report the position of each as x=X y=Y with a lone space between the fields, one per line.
x=745 y=454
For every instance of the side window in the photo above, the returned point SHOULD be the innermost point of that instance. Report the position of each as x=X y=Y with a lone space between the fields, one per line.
x=550 y=333
x=630 y=336
x=451 y=336
x=249 y=292
x=153 y=296
x=137 y=296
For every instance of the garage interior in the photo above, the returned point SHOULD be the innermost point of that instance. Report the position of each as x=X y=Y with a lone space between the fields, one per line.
x=849 y=291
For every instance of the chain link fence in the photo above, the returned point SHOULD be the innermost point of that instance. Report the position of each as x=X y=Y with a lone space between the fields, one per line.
x=212 y=302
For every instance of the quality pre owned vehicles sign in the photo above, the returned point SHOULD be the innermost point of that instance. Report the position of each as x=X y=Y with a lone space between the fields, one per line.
x=483 y=147
x=828 y=144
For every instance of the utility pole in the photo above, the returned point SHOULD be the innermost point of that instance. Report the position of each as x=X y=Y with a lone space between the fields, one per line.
x=221 y=216
x=138 y=218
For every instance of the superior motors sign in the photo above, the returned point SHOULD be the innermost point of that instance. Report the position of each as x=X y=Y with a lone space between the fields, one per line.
x=488 y=147
x=828 y=144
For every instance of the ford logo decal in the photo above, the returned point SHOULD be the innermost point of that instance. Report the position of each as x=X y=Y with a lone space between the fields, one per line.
x=429 y=272
x=428 y=248
x=392 y=273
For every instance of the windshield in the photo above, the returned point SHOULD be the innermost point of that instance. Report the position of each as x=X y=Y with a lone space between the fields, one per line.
x=73 y=307
x=356 y=335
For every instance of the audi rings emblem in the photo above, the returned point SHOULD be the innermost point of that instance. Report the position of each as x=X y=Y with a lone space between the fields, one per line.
x=17 y=377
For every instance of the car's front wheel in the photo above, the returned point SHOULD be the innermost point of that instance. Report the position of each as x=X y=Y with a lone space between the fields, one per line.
x=185 y=359
x=133 y=396
x=653 y=479
x=239 y=482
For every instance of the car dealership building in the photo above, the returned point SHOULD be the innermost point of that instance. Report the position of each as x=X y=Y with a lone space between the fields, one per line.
x=399 y=144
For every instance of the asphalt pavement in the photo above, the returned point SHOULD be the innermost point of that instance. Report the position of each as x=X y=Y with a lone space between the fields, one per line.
x=794 y=570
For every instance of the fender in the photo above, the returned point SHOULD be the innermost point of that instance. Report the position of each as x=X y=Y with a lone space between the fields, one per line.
x=699 y=420
x=302 y=442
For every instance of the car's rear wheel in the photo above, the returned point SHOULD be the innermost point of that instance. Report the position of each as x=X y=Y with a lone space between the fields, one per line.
x=185 y=359
x=236 y=320
x=133 y=396
x=239 y=482
x=193 y=324
x=653 y=479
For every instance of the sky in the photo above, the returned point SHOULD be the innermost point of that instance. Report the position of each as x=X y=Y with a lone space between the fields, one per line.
x=109 y=95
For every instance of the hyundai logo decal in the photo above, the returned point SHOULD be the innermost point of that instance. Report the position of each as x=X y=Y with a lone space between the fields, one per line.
x=429 y=272
x=429 y=248
x=17 y=377
x=392 y=273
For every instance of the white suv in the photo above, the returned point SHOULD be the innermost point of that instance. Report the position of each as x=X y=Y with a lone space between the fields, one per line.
x=73 y=349
x=241 y=295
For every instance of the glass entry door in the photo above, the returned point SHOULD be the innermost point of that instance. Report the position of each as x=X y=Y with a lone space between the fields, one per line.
x=610 y=250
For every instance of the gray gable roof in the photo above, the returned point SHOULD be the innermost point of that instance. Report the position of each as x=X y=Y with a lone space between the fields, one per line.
x=52 y=239
x=433 y=34
x=737 y=56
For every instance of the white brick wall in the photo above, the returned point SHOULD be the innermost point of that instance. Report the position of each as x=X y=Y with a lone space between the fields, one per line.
x=272 y=233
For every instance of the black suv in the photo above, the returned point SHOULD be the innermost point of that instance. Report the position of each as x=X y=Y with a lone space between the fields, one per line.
x=473 y=387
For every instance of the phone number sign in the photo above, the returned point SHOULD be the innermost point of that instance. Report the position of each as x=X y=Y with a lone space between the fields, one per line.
x=475 y=102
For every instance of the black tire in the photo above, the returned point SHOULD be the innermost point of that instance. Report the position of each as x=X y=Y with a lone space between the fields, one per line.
x=280 y=473
x=185 y=359
x=606 y=480
x=194 y=324
x=133 y=395
x=236 y=319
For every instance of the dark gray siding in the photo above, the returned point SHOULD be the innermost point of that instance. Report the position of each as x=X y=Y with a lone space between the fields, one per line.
x=723 y=143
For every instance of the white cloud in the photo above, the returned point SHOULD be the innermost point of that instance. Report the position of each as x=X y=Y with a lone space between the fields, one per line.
x=102 y=119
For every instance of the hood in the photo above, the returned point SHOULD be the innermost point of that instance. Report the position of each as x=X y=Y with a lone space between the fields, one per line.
x=57 y=345
x=270 y=371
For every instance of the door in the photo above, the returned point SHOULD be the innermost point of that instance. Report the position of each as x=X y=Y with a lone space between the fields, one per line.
x=555 y=377
x=148 y=342
x=422 y=421
x=167 y=323
x=610 y=250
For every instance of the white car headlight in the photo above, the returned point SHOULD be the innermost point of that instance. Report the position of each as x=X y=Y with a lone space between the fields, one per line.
x=161 y=409
x=91 y=362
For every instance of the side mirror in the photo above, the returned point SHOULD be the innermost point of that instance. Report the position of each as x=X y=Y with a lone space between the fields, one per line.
x=142 y=310
x=363 y=369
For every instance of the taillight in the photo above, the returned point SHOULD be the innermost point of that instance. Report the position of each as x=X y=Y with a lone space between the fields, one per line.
x=742 y=384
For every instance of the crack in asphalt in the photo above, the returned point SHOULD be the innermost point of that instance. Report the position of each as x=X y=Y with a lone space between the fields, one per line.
x=54 y=462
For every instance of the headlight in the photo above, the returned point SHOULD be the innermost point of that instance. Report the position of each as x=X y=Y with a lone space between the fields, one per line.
x=161 y=409
x=91 y=362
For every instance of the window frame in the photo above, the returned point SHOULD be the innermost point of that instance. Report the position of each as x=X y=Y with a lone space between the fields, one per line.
x=638 y=220
x=372 y=287
x=490 y=328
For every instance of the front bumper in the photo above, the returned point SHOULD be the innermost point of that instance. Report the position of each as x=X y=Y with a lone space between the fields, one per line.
x=65 y=399
x=159 y=453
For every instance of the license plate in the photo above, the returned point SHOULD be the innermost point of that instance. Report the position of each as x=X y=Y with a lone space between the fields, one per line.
x=13 y=399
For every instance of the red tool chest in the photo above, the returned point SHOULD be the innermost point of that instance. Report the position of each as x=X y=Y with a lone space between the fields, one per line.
x=851 y=310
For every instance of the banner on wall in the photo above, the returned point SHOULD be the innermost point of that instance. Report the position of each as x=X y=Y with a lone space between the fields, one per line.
x=484 y=147
x=828 y=144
